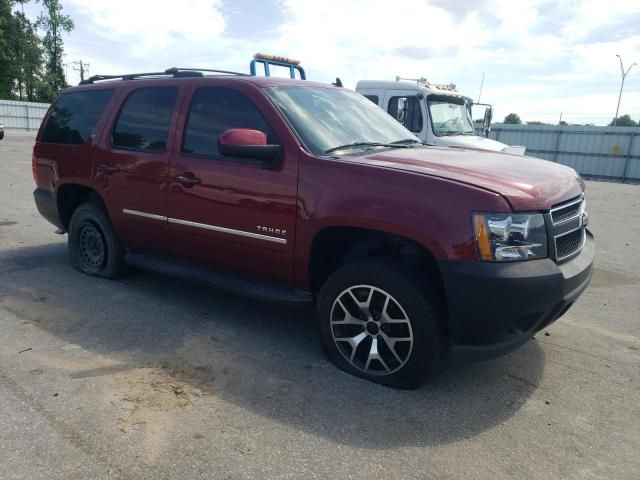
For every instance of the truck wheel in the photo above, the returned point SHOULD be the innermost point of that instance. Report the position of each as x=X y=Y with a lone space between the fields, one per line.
x=94 y=248
x=379 y=321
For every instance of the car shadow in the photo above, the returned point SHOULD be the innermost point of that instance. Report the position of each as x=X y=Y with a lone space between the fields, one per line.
x=260 y=356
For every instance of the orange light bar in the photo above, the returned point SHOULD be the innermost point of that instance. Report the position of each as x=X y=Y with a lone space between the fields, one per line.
x=277 y=58
x=482 y=237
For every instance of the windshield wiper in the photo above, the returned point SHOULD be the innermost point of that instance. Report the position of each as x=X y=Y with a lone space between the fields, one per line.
x=365 y=144
x=408 y=141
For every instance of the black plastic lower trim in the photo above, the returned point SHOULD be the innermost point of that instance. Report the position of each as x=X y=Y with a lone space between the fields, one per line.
x=496 y=307
x=226 y=281
x=47 y=206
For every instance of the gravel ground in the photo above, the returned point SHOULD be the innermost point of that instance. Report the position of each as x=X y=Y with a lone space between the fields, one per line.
x=152 y=377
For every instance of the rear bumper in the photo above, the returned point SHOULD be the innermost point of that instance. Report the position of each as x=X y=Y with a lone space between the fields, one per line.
x=495 y=308
x=47 y=205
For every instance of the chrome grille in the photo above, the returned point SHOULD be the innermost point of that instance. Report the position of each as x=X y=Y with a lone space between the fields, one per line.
x=566 y=212
x=569 y=243
x=568 y=220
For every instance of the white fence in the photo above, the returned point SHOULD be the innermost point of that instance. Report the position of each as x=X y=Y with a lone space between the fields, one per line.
x=22 y=115
x=598 y=152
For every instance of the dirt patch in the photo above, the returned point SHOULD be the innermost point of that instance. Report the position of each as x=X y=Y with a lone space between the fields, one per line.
x=151 y=401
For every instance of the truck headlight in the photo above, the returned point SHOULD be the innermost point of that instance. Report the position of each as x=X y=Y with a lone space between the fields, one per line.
x=505 y=237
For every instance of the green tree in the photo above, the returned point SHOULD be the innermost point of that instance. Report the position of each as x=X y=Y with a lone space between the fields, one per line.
x=536 y=122
x=513 y=119
x=54 y=23
x=6 y=65
x=624 y=121
x=32 y=62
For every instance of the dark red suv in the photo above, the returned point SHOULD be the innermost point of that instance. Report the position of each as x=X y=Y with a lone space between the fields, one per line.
x=296 y=191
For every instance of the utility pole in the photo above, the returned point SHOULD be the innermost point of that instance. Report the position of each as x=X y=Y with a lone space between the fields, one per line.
x=82 y=68
x=624 y=75
x=481 y=84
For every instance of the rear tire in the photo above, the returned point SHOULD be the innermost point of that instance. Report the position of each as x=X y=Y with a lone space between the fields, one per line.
x=380 y=321
x=94 y=248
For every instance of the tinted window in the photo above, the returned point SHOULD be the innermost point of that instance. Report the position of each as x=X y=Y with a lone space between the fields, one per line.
x=407 y=111
x=214 y=110
x=373 y=98
x=143 y=123
x=74 y=116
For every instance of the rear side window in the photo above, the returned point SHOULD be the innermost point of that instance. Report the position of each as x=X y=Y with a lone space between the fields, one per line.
x=216 y=109
x=143 y=123
x=74 y=116
x=407 y=111
x=373 y=98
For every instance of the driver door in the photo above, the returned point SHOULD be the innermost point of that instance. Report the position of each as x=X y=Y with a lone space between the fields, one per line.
x=233 y=214
x=408 y=108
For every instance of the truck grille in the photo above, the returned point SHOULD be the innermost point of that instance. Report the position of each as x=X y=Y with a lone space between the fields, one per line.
x=565 y=213
x=568 y=220
x=568 y=244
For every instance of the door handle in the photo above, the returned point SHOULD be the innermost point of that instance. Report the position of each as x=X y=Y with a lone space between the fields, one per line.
x=107 y=169
x=187 y=179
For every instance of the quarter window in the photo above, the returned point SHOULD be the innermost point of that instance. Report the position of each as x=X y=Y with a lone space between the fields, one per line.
x=143 y=123
x=407 y=111
x=373 y=98
x=214 y=110
x=74 y=116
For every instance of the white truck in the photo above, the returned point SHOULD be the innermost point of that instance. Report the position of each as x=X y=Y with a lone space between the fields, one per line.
x=437 y=114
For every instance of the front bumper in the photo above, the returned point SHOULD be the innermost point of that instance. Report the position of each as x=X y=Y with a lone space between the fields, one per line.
x=496 y=307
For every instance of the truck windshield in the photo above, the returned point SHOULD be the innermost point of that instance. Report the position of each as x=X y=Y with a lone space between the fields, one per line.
x=450 y=116
x=328 y=119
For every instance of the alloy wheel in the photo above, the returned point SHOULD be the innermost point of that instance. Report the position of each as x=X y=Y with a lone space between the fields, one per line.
x=371 y=330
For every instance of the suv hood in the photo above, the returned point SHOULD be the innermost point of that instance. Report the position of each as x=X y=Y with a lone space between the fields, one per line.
x=527 y=183
x=476 y=141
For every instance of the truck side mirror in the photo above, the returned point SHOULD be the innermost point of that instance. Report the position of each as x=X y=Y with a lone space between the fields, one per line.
x=488 y=115
x=248 y=143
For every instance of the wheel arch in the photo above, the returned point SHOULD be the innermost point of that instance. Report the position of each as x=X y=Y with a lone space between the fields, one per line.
x=335 y=246
x=69 y=196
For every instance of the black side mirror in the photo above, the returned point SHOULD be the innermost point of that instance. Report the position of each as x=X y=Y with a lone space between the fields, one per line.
x=488 y=115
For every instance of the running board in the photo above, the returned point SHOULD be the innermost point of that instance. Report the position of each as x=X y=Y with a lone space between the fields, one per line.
x=260 y=289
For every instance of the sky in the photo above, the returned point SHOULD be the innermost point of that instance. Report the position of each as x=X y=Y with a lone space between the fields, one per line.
x=540 y=58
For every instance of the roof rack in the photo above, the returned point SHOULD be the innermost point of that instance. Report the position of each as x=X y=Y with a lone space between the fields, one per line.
x=175 y=72
x=268 y=60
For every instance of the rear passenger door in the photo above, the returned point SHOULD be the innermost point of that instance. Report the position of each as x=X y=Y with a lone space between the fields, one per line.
x=132 y=165
x=64 y=148
x=237 y=215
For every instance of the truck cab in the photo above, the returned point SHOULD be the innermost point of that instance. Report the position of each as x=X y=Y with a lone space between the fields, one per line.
x=437 y=114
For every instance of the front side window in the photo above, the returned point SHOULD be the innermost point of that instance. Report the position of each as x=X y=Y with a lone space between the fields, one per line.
x=74 y=116
x=214 y=110
x=326 y=118
x=450 y=116
x=406 y=110
x=143 y=123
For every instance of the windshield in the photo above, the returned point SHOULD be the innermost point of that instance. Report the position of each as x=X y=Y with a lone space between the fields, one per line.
x=450 y=116
x=328 y=118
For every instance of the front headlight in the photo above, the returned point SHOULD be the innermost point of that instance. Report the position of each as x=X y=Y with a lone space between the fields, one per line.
x=507 y=237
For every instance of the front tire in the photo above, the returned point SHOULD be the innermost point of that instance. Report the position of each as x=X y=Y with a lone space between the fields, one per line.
x=379 y=321
x=94 y=248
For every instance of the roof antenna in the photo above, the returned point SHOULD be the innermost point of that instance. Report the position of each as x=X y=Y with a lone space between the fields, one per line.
x=338 y=82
